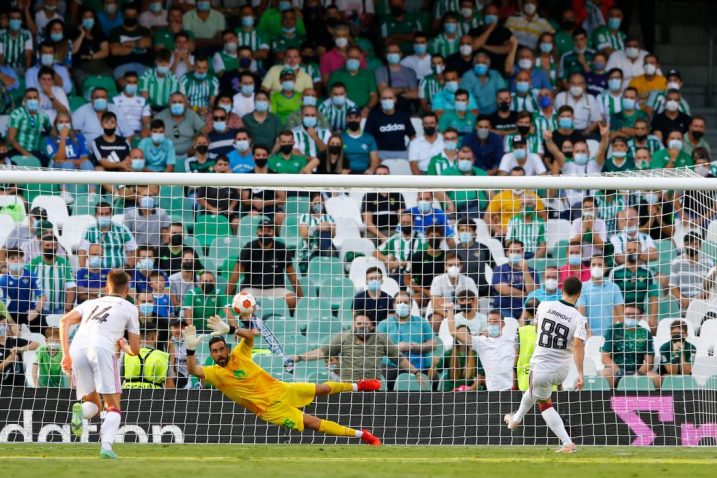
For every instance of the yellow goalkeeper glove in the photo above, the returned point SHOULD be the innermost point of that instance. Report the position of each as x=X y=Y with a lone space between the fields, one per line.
x=218 y=326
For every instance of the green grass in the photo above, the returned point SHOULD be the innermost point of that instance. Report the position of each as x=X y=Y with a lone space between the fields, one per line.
x=317 y=461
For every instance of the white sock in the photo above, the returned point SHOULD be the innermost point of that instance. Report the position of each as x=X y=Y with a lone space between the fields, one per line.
x=553 y=420
x=526 y=403
x=359 y=433
x=355 y=389
x=89 y=410
x=110 y=425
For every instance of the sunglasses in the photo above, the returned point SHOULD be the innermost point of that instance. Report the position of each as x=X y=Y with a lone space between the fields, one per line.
x=219 y=118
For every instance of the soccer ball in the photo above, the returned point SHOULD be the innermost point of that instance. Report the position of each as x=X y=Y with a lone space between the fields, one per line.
x=243 y=302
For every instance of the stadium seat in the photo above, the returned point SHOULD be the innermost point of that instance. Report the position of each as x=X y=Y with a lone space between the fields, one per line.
x=303 y=371
x=390 y=286
x=357 y=271
x=636 y=383
x=592 y=350
x=296 y=205
x=26 y=161
x=310 y=308
x=272 y=307
x=482 y=230
x=224 y=250
x=704 y=368
x=210 y=226
x=94 y=81
x=337 y=290
x=678 y=383
x=274 y=365
x=13 y=200
x=708 y=334
x=344 y=207
x=74 y=230
x=6 y=227
x=663 y=329
x=699 y=311
x=668 y=307
x=346 y=229
x=666 y=253
x=358 y=246
x=560 y=253
x=322 y=268
x=496 y=249
x=556 y=230
x=289 y=232
x=85 y=203
x=29 y=359
x=709 y=250
x=75 y=102
x=247 y=228
x=53 y=320
x=711 y=383
x=711 y=235
x=55 y=206
x=399 y=167
x=407 y=382
x=4 y=120
x=321 y=328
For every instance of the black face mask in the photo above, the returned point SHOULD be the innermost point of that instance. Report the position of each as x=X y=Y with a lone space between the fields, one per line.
x=309 y=59
x=466 y=307
x=641 y=137
x=334 y=149
x=567 y=25
x=208 y=288
x=434 y=242
x=48 y=253
x=266 y=240
x=286 y=148
x=691 y=251
x=331 y=21
x=260 y=163
x=130 y=22
x=3 y=156
x=698 y=135
x=632 y=258
x=407 y=229
x=353 y=125
x=202 y=149
x=677 y=337
x=176 y=240
x=503 y=106
x=523 y=130
x=429 y=131
x=397 y=11
x=244 y=63
x=187 y=265
x=568 y=154
x=109 y=131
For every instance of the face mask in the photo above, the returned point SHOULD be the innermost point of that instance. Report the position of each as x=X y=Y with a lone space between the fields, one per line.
x=614 y=23
x=628 y=103
x=393 y=58
x=288 y=30
x=619 y=154
x=187 y=265
x=3 y=329
x=288 y=85
x=286 y=148
x=650 y=69
x=111 y=8
x=387 y=105
x=32 y=105
x=55 y=36
x=494 y=330
x=674 y=144
x=529 y=8
x=145 y=264
x=138 y=164
x=465 y=237
x=338 y=100
x=157 y=137
x=672 y=106
x=522 y=87
x=434 y=243
x=420 y=49
x=231 y=47
x=402 y=310
x=104 y=221
x=227 y=107
x=483 y=133
x=334 y=149
x=203 y=6
x=697 y=135
x=525 y=64
x=352 y=64
x=691 y=251
x=202 y=149
x=453 y=272
x=200 y=76
x=283 y=6
x=488 y=19
x=451 y=86
x=130 y=89
x=208 y=287
x=309 y=121
x=551 y=285
x=515 y=258
x=88 y=23
x=461 y=106
x=353 y=125
x=630 y=323
x=523 y=130
x=546 y=47
x=109 y=131
x=99 y=104
x=47 y=59
x=15 y=267
x=261 y=106
x=63 y=126
x=631 y=258
x=632 y=52
x=614 y=84
x=146 y=308
x=466 y=50
x=673 y=85
x=596 y=272
x=480 y=69
x=241 y=145
x=176 y=240
x=429 y=130
x=465 y=165
x=641 y=137
x=362 y=332
x=574 y=259
x=146 y=202
x=48 y=253
x=155 y=7
x=519 y=154
x=565 y=123
x=15 y=24
x=449 y=28
x=177 y=109
x=317 y=207
x=247 y=22
x=599 y=66
x=260 y=162
x=702 y=170
x=407 y=229
x=424 y=206
x=576 y=91
x=374 y=285
x=580 y=159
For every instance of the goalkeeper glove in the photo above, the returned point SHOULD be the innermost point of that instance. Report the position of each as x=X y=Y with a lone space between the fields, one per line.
x=218 y=326
x=191 y=339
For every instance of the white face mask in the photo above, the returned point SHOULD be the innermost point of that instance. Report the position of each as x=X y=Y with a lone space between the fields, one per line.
x=576 y=91
x=551 y=285
x=596 y=272
x=650 y=69
x=453 y=272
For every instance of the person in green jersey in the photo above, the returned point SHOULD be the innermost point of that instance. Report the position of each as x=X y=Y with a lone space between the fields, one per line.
x=628 y=349
x=672 y=156
x=677 y=355
x=609 y=37
x=200 y=162
x=287 y=160
x=643 y=139
x=206 y=300
x=623 y=123
x=619 y=160
x=638 y=285
x=289 y=36
x=287 y=100
x=26 y=126
x=47 y=371
x=360 y=82
x=249 y=36
x=54 y=276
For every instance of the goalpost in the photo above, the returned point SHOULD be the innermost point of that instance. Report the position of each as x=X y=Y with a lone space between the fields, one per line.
x=308 y=279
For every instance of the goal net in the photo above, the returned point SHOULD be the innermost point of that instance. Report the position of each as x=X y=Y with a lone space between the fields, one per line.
x=371 y=277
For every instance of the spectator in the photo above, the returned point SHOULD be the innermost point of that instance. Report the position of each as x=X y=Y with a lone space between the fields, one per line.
x=420 y=61
x=285 y=161
x=628 y=349
x=411 y=334
x=694 y=137
x=458 y=115
x=629 y=227
x=158 y=83
x=144 y=266
x=61 y=77
x=487 y=146
x=206 y=300
x=361 y=352
x=527 y=79
x=264 y=202
x=32 y=247
x=586 y=111
x=624 y=122
x=92 y=278
x=360 y=148
x=205 y=22
x=225 y=102
x=220 y=200
x=226 y=59
x=12 y=348
x=425 y=216
x=578 y=59
x=513 y=281
x=507 y=204
x=582 y=163
x=397 y=250
x=631 y=60
x=474 y=255
x=651 y=83
x=610 y=204
x=609 y=37
x=483 y=83
x=146 y=221
x=163 y=309
x=642 y=139
x=673 y=156
x=398 y=26
x=68 y=151
x=425 y=265
x=243 y=101
x=589 y=230
x=88 y=118
x=286 y=101
x=181 y=123
x=656 y=103
x=335 y=58
x=16 y=43
x=597 y=80
x=601 y=301
x=309 y=97
x=220 y=136
x=110 y=17
x=241 y=159
x=26 y=126
x=273 y=81
x=671 y=118
x=503 y=120
x=171 y=252
x=309 y=139
x=182 y=60
x=55 y=278
x=677 y=355
x=201 y=161
x=550 y=289
x=21 y=292
x=637 y=283
x=445 y=43
x=288 y=37
x=263 y=263
x=177 y=351
x=200 y=86
x=317 y=229
x=336 y=107
x=422 y=149
x=528 y=228
x=333 y=160
x=360 y=83
x=184 y=280
x=467 y=314
x=129 y=43
x=155 y=17
x=458 y=367
x=576 y=266
x=263 y=127
x=109 y=150
x=688 y=271
x=462 y=60
x=390 y=127
x=158 y=150
x=531 y=163
x=547 y=60
x=528 y=26
x=496 y=349
x=47 y=370
x=133 y=107
x=89 y=48
x=148 y=369
x=373 y=301
x=494 y=39
x=444 y=287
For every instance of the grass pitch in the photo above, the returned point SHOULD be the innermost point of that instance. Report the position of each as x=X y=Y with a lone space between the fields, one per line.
x=317 y=461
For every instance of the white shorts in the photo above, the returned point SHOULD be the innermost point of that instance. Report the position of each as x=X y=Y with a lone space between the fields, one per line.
x=95 y=370
x=541 y=383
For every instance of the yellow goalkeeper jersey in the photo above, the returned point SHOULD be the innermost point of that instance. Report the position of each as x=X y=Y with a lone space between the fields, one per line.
x=244 y=381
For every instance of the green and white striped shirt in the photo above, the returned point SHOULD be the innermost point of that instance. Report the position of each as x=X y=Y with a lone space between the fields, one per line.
x=609 y=104
x=13 y=48
x=530 y=233
x=657 y=102
x=428 y=87
x=305 y=144
x=334 y=115
x=653 y=145
x=527 y=103
x=603 y=38
x=222 y=61
x=402 y=248
x=116 y=243
x=535 y=143
x=158 y=89
x=312 y=243
x=441 y=7
x=312 y=69
x=253 y=39
x=29 y=127
x=607 y=211
x=442 y=45
x=54 y=281
x=199 y=91
x=542 y=124
x=465 y=26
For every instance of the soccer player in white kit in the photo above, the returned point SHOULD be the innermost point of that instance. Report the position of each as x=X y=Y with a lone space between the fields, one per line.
x=561 y=337
x=93 y=357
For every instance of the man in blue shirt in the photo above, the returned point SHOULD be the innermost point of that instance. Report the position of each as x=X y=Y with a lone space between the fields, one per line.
x=601 y=301
x=21 y=293
x=483 y=83
x=144 y=268
x=373 y=301
x=513 y=281
x=221 y=137
x=425 y=216
x=486 y=145
x=550 y=290
x=158 y=150
x=360 y=148
x=241 y=159
x=91 y=280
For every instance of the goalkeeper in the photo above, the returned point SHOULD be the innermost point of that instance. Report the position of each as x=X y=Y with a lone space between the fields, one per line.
x=243 y=381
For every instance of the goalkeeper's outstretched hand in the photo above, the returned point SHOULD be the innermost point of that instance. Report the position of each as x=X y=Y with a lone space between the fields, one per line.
x=191 y=339
x=218 y=326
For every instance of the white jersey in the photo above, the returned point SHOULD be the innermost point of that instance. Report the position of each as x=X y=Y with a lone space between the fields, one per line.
x=559 y=323
x=104 y=322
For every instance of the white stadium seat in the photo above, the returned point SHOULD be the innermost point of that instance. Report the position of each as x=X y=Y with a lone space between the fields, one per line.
x=346 y=229
x=696 y=312
x=344 y=207
x=364 y=246
x=6 y=227
x=704 y=368
x=357 y=272
x=556 y=230
x=74 y=230
x=592 y=350
x=55 y=206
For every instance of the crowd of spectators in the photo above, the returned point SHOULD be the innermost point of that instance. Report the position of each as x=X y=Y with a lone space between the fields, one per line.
x=464 y=88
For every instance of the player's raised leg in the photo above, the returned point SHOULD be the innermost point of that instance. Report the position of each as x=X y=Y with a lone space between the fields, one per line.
x=330 y=388
x=86 y=409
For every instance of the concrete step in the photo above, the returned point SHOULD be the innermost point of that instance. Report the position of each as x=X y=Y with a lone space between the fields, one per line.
x=695 y=75
x=681 y=13
x=690 y=32
x=674 y=56
x=710 y=115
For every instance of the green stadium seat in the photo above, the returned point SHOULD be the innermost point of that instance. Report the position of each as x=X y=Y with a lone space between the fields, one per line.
x=272 y=306
x=247 y=228
x=559 y=253
x=636 y=383
x=224 y=251
x=75 y=102
x=668 y=307
x=303 y=371
x=103 y=81
x=296 y=206
x=593 y=383
x=678 y=383
x=309 y=308
x=322 y=268
x=31 y=191
x=666 y=253
x=26 y=161
x=407 y=382
x=210 y=226
x=337 y=290
x=274 y=365
x=709 y=250
x=711 y=383
x=321 y=329
x=289 y=232
x=318 y=377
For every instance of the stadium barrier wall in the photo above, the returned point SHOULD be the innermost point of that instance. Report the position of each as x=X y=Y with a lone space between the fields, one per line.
x=204 y=416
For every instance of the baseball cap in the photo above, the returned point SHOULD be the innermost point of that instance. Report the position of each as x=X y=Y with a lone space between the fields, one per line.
x=353 y=111
x=518 y=139
x=38 y=211
x=266 y=223
x=177 y=322
x=673 y=72
x=287 y=71
x=42 y=227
